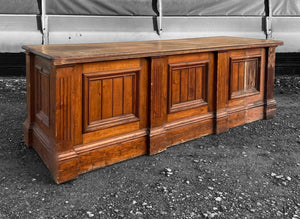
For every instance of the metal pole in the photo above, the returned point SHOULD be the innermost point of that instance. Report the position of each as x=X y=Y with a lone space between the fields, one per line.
x=269 y=20
x=160 y=17
x=44 y=19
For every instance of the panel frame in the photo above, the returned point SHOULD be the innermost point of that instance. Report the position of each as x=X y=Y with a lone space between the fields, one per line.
x=91 y=126
x=244 y=93
x=42 y=77
x=188 y=104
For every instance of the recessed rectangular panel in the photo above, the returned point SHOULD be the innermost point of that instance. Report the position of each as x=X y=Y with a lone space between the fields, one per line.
x=45 y=94
x=106 y=104
x=118 y=96
x=175 y=87
x=109 y=98
x=244 y=76
x=199 y=82
x=252 y=76
x=187 y=85
x=184 y=85
x=42 y=94
x=234 y=77
x=128 y=94
x=95 y=109
x=241 y=75
x=191 y=84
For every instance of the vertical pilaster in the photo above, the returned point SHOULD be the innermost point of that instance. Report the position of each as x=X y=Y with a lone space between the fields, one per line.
x=68 y=107
x=30 y=100
x=269 y=102
x=68 y=120
x=221 y=93
x=77 y=104
x=158 y=104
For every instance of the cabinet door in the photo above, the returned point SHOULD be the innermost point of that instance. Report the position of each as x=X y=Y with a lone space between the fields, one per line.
x=244 y=70
x=190 y=83
x=114 y=98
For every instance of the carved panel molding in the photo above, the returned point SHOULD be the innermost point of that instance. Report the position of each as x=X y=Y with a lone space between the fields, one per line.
x=110 y=98
x=42 y=94
x=187 y=85
x=244 y=76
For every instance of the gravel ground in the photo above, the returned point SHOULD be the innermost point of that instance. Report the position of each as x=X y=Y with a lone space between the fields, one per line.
x=252 y=171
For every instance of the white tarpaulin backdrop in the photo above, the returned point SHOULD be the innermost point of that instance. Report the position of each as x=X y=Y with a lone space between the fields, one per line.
x=149 y=7
x=87 y=21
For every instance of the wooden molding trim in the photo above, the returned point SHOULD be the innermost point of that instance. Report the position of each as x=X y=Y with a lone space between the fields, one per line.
x=189 y=121
x=188 y=83
x=247 y=81
x=44 y=139
x=120 y=139
x=111 y=122
x=116 y=89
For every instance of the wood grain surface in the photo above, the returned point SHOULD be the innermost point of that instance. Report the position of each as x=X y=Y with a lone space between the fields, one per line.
x=92 y=105
x=82 y=53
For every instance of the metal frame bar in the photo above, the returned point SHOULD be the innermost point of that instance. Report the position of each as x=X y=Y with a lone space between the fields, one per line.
x=45 y=22
x=269 y=20
x=45 y=25
x=160 y=9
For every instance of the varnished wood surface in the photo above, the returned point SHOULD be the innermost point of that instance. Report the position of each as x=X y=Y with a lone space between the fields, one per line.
x=116 y=101
x=80 y=53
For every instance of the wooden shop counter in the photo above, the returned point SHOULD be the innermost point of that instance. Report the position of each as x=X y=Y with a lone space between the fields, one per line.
x=91 y=105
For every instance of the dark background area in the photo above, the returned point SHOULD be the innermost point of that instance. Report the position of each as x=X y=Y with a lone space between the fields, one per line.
x=14 y=64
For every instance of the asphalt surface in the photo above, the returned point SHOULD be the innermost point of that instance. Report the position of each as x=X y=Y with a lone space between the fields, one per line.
x=252 y=171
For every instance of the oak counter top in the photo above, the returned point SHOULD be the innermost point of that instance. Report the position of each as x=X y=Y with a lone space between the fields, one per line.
x=62 y=54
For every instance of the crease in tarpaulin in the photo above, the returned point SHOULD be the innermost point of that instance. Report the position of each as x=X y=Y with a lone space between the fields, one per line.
x=101 y=7
x=213 y=8
x=286 y=7
x=20 y=7
x=147 y=8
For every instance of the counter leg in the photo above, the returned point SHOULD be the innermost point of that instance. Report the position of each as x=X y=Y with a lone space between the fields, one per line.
x=269 y=102
x=158 y=105
x=221 y=123
x=27 y=126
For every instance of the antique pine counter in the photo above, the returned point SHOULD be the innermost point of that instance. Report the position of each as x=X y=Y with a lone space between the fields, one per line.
x=91 y=105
